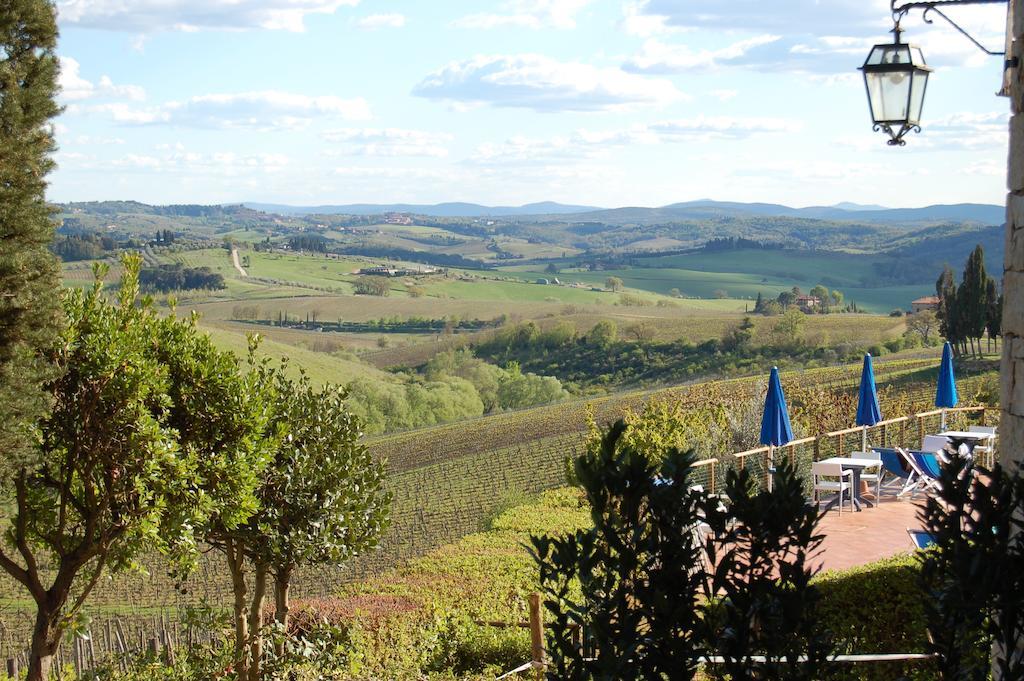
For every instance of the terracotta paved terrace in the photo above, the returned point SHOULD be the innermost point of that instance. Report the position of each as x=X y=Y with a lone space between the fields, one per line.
x=868 y=535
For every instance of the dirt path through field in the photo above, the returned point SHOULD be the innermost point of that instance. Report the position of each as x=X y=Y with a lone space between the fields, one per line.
x=238 y=265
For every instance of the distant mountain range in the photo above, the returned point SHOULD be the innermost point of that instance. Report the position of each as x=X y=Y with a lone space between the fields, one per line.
x=442 y=210
x=985 y=214
x=697 y=210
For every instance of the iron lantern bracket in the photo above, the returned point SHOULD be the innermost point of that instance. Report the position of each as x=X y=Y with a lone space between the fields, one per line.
x=901 y=10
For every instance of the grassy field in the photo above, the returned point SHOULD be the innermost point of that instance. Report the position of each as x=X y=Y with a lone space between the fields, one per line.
x=322 y=367
x=742 y=274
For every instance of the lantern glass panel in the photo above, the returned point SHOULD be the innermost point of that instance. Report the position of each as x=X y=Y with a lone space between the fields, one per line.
x=893 y=53
x=889 y=95
x=919 y=82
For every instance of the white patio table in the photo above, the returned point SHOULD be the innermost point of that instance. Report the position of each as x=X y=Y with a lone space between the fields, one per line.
x=855 y=465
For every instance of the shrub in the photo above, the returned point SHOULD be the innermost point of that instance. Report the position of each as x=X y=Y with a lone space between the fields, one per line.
x=876 y=608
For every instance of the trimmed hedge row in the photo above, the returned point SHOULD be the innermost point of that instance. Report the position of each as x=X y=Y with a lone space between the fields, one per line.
x=877 y=608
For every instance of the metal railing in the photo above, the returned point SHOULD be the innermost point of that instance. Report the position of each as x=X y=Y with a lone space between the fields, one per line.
x=903 y=431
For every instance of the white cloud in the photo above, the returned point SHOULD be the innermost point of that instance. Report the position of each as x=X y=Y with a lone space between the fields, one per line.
x=527 y=14
x=809 y=36
x=659 y=57
x=541 y=83
x=598 y=144
x=176 y=159
x=148 y=16
x=724 y=95
x=719 y=127
x=75 y=88
x=389 y=142
x=780 y=16
x=265 y=110
x=635 y=21
x=375 y=21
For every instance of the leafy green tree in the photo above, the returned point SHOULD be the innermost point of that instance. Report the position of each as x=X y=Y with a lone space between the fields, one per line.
x=603 y=334
x=614 y=284
x=837 y=298
x=789 y=329
x=221 y=417
x=924 y=324
x=517 y=390
x=372 y=286
x=822 y=294
x=786 y=298
x=29 y=304
x=739 y=337
x=111 y=479
x=322 y=498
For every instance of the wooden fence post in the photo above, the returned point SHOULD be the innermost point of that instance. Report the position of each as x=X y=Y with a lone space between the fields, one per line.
x=12 y=668
x=536 y=635
x=817 y=448
x=839 y=450
x=920 y=430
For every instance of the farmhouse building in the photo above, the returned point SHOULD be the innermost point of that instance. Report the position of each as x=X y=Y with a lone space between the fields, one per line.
x=925 y=303
x=808 y=303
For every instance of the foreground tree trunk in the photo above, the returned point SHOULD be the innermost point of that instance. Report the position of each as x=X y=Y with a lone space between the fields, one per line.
x=236 y=565
x=282 y=604
x=45 y=641
x=259 y=592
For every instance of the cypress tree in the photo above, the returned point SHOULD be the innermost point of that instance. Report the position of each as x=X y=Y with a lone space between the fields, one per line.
x=971 y=297
x=28 y=271
x=945 y=289
x=993 y=311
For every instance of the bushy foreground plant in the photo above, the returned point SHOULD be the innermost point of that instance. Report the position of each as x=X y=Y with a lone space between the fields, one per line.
x=761 y=600
x=973 y=578
x=638 y=583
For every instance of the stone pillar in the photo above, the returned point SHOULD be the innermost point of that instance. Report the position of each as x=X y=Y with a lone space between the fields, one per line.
x=1011 y=424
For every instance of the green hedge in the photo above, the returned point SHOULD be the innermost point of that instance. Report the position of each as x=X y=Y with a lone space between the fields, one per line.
x=877 y=608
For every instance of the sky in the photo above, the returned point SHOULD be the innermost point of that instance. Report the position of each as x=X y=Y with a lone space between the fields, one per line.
x=505 y=102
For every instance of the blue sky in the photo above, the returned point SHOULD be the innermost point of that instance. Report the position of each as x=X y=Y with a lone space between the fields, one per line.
x=598 y=102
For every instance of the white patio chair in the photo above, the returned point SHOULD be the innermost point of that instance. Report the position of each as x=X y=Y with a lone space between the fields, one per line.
x=830 y=477
x=874 y=477
x=990 y=444
x=934 y=443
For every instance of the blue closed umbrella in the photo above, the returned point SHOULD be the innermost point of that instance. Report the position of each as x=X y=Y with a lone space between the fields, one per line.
x=945 y=393
x=868 y=413
x=775 y=428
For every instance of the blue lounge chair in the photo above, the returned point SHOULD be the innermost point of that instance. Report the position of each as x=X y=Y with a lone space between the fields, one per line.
x=922 y=539
x=925 y=466
x=894 y=467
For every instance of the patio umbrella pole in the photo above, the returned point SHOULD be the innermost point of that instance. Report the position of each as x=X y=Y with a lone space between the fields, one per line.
x=864 y=440
x=771 y=466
